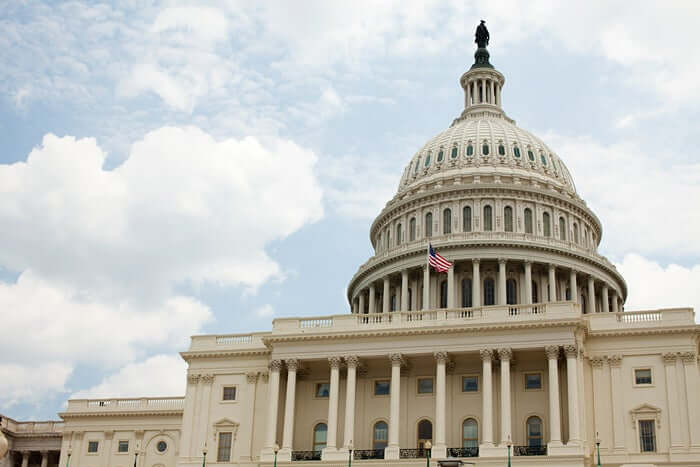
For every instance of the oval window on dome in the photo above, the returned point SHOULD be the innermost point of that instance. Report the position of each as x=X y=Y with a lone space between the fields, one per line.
x=501 y=150
x=454 y=152
x=543 y=159
x=427 y=160
x=530 y=155
x=440 y=155
x=485 y=149
x=470 y=150
x=516 y=151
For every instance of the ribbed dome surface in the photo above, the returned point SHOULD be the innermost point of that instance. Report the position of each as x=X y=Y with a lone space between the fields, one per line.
x=461 y=150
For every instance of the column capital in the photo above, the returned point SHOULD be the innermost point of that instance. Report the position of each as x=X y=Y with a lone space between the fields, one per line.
x=292 y=364
x=396 y=359
x=670 y=358
x=476 y=260
x=552 y=266
x=352 y=361
x=502 y=261
x=486 y=354
x=252 y=377
x=573 y=271
x=571 y=351
x=552 y=352
x=275 y=365
x=334 y=362
x=527 y=262
x=192 y=379
x=505 y=353
x=615 y=360
x=45 y=452
x=207 y=379
x=441 y=356
x=26 y=453
x=597 y=361
x=109 y=434
x=688 y=357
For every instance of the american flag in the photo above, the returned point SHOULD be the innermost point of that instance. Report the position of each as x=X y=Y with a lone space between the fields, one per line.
x=438 y=263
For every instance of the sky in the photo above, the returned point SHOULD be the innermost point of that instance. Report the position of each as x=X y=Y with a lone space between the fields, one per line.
x=174 y=168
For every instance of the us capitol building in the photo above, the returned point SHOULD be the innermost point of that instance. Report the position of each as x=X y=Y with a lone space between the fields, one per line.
x=522 y=349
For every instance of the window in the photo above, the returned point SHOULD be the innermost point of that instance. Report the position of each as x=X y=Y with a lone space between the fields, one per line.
x=123 y=446
x=425 y=433
x=508 y=219
x=398 y=234
x=470 y=433
x=440 y=155
x=530 y=155
x=429 y=225
x=454 y=152
x=412 y=229
x=528 y=220
x=516 y=151
x=162 y=446
x=427 y=160
x=93 y=446
x=485 y=149
x=323 y=389
x=470 y=150
x=382 y=388
x=470 y=383
x=415 y=171
x=642 y=376
x=543 y=159
x=467 y=219
x=223 y=453
x=466 y=293
x=425 y=385
x=229 y=393
x=443 y=294
x=388 y=238
x=380 y=439
x=447 y=221
x=562 y=228
x=501 y=150
x=533 y=381
x=647 y=436
x=575 y=232
x=535 y=295
x=534 y=432
x=511 y=292
x=546 y=227
x=410 y=298
x=488 y=220
x=489 y=295
x=320 y=435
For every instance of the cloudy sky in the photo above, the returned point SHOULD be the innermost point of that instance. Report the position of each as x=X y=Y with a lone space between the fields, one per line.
x=172 y=168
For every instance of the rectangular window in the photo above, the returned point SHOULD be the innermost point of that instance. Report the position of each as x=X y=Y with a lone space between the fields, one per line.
x=647 y=436
x=123 y=446
x=229 y=393
x=223 y=454
x=323 y=389
x=382 y=388
x=642 y=376
x=470 y=383
x=425 y=385
x=93 y=446
x=533 y=381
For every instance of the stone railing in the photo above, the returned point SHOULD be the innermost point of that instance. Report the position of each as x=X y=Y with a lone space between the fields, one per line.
x=126 y=405
x=227 y=341
x=31 y=427
x=641 y=319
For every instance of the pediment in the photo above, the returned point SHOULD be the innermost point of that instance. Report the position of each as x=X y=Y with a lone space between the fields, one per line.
x=645 y=408
x=226 y=423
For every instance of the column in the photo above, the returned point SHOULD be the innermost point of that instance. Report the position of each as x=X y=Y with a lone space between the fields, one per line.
x=109 y=435
x=468 y=101
x=690 y=366
x=483 y=91
x=573 y=287
x=372 y=298
x=590 y=300
x=614 y=301
x=451 y=287
x=552 y=283
x=288 y=429
x=426 y=287
x=502 y=298
x=498 y=95
x=672 y=399
x=206 y=382
x=392 y=450
x=618 y=414
x=355 y=307
x=601 y=403
x=604 y=298
x=352 y=363
x=272 y=404
x=505 y=355
x=332 y=434
x=45 y=456
x=404 y=290
x=413 y=305
x=493 y=94
x=439 y=445
x=362 y=301
x=25 y=458
x=528 y=283
x=386 y=297
x=487 y=398
x=572 y=386
x=476 y=283
x=552 y=352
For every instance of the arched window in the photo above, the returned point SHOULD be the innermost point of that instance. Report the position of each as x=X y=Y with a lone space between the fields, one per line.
x=543 y=159
x=447 y=221
x=466 y=293
x=467 y=219
x=508 y=219
x=443 y=294
x=470 y=433
x=320 y=432
x=562 y=229
x=380 y=435
x=534 y=432
x=379 y=242
x=511 y=292
x=440 y=155
x=425 y=433
x=501 y=150
x=488 y=218
x=470 y=150
x=454 y=152
x=585 y=236
x=489 y=292
x=535 y=295
x=427 y=160
x=429 y=225
x=575 y=232
x=516 y=151
x=528 y=220
x=415 y=170
x=546 y=227
x=485 y=149
x=388 y=238
x=530 y=155
x=412 y=228
x=398 y=234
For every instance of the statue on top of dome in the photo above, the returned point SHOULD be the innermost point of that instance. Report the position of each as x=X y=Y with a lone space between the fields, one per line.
x=482 y=35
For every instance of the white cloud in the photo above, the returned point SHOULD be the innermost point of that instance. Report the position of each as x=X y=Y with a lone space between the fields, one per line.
x=194 y=23
x=28 y=384
x=265 y=311
x=160 y=375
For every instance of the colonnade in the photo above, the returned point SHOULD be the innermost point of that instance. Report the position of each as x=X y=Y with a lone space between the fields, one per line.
x=26 y=454
x=482 y=91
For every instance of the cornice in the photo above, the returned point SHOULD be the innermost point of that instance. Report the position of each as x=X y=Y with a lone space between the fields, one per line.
x=190 y=355
x=645 y=331
x=122 y=413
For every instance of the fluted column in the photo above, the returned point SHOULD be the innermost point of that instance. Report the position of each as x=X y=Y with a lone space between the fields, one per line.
x=426 y=287
x=25 y=458
x=372 y=298
x=483 y=91
x=439 y=445
x=362 y=301
x=355 y=306
x=614 y=301
x=45 y=456
x=404 y=290
x=331 y=438
x=590 y=302
x=352 y=363
x=487 y=398
x=528 y=283
x=554 y=408
x=692 y=383
x=505 y=355
x=288 y=430
x=604 y=298
x=476 y=283
x=552 y=283
x=386 y=297
x=492 y=99
x=672 y=399
x=572 y=387
x=502 y=281
x=451 y=287
x=392 y=450
x=467 y=95
x=618 y=410
x=573 y=287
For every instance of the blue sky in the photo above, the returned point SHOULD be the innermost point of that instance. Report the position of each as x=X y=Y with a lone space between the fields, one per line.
x=172 y=168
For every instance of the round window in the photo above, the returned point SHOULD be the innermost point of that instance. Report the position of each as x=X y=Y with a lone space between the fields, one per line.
x=161 y=446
